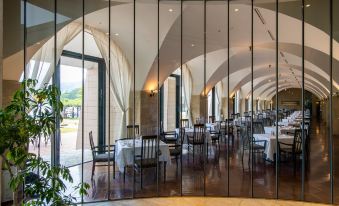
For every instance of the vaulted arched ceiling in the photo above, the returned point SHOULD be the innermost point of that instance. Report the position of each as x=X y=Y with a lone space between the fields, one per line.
x=146 y=50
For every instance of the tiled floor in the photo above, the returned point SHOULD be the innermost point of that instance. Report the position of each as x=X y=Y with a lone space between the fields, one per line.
x=200 y=201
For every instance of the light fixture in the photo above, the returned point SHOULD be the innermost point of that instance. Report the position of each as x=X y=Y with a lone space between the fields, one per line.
x=170 y=10
x=308 y=5
x=38 y=43
x=116 y=34
x=236 y=10
x=107 y=33
x=153 y=93
x=192 y=45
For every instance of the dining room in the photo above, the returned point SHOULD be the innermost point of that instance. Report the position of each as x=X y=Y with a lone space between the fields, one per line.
x=170 y=98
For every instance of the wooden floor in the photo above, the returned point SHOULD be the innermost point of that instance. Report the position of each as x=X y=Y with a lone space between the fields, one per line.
x=204 y=201
x=212 y=180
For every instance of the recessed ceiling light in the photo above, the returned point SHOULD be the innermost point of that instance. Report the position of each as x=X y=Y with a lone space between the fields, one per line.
x=236 y=10
x=170 y=10
x=192 y=45
x=308 y=5
x=116 y=34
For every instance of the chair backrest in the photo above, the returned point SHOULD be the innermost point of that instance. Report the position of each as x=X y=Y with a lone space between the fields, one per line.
x=184 y=123
x=211 y=119
x=91 y=142
x=149 y=146
x=244 y=135
x=132 y=131
x=267 y=122
x=258 y=128
x=181 y=138
x=280 y=116
x=199 y=133
x=260 y=116
x=297 y=141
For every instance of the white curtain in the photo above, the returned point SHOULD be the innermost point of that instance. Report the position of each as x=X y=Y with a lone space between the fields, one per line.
x=187 y=90
x=218 y=93
x=121 y=77
x=41 y=66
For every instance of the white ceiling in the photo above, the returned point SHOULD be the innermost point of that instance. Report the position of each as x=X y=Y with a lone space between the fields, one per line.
x=146 y=45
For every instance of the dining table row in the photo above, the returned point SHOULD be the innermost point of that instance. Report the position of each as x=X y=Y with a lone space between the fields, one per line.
x=199 y=141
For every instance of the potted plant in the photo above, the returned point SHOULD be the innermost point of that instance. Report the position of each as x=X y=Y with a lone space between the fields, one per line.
x=32 y=115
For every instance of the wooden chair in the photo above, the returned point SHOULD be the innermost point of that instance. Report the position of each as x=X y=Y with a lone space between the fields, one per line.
x=258 y=128
x=248 y=142
x=293 y=150
x=176 y=149
x=197 y=140
x=102 y=154
x=148 y=157
x=260 y=116
x=132 y=131
x=184 y=123
x=216 y=135
x=230 y=129
x=211 y=119
x=267 y=122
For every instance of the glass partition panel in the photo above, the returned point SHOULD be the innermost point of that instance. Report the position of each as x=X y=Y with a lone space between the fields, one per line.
x=121 y=76
x=193 y=182
x=40 y=57
x=316 y=153
x=69 y=77
x=287 y=103
x=147 y=178
x=240 y=169
x=96 y=44
x=335 y=100
x=216 y=57
x=264 y=78
x=170 y=93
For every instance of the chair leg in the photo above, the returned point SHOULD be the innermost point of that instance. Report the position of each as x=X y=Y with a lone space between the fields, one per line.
x=141 y=178
x=193 y=154
x=113 y=170
x=124 y=174
x=93 y=168
x=165 y=172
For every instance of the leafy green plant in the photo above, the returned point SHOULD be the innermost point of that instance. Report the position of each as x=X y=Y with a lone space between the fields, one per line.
x=32 y=114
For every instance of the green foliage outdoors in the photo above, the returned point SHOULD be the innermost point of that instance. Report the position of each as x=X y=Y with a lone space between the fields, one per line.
x=72 y=97
x=32 y=115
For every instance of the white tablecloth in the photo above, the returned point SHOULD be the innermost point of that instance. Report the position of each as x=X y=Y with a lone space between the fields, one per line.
x=281 y=130
x=124 y=152
x=271 y=148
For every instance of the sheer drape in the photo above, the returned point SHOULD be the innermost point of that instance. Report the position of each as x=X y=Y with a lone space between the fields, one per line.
x=41 y=66
x=187 y=90
x=218 y=95
x=120 y=83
